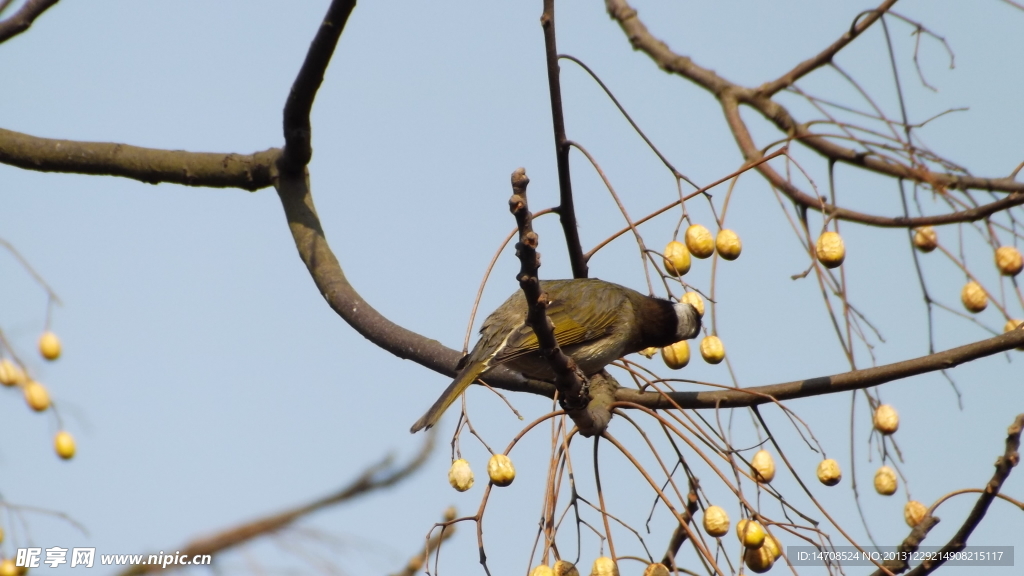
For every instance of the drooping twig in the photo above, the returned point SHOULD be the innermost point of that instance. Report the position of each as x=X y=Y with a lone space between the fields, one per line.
x=23 y=18
x=566 y=208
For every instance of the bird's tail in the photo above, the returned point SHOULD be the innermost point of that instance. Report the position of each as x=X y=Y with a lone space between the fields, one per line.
x=457 y=387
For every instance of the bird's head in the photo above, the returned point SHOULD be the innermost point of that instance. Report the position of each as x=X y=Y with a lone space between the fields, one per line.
x=687 y=321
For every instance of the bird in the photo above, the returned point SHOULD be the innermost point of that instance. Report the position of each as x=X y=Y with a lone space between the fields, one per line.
x=595 y=323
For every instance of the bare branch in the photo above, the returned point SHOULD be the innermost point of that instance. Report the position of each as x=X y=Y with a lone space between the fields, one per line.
x=569 y=379
x=297 y=130
x=825 y=56
x=1004 y=465
x=853 y=380
x=23 y=19
x=566 y=209
x=376 y=477
x=641 y=39
x=149 y=165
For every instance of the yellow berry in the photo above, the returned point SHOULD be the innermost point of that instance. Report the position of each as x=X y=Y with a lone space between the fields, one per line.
x=728 y=244
x=460 y=475
x=501 y=470
x=1009 y=261
x=49 y=346
x=694 y=299
x=36 y=396
x=914 y=512
x=1 y=535
x=677 y=355
x=716 y=522
x=604 y=566
x=64 y=443
x=750 y=533
x=542 y=570
x=885 y=481
x=566 y=568
x=830 y=249
x=886 y=419
x=829 y=473
x=9 y=568
x=763 y=465
x=677 y=258
x=11 y=374
x=712 y=350
x=761 y=560
x=925 y=239
x=656 y=569
x=974 y=297
x=699 y=241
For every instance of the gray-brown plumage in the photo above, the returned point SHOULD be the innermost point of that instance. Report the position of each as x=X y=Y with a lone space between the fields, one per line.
x=596 y=323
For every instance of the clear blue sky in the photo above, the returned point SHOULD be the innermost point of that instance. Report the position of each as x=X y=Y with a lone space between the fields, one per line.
x=206 y=381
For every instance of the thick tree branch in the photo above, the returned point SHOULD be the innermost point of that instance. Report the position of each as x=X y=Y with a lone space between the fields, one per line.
x=376 y=477
x=149 y=165
x=23 y=18
x=566 y=205
x=641 y=39
x=297 y=128
x=853 y=380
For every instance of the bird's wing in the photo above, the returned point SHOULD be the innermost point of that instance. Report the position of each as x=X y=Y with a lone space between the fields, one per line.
x=572 y=326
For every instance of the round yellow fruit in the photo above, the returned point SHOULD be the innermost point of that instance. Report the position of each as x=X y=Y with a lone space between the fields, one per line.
x=925 y=239
x=750 y=533
x=542 y=570
x=700 y=241
x=885 y=481
x=677 y=355
x=1 y=535
x=763 y=465
x=694 y=299
x=914 y=512
x=712 y=349
x=64 y=444
x=36 y=396
x=501 y=470
x=1012 y=325
x=728 y=245
x=11 y=374
x=656 y=569
x=716 y=521
x=829 y=473
x=677 y=258
x=566 y=568
x=9 y=568
x=974 y=297
x=604 y=566
x=830 y=249
x=1009 y=261
x=886 y=419
x=761 y=560
x=49 y=346
x=460 y=475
